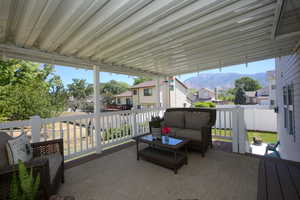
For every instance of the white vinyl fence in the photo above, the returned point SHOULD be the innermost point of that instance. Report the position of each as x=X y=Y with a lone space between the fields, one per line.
x=257 y=118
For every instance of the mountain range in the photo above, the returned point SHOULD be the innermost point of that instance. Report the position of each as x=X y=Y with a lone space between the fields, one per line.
x=221 y=80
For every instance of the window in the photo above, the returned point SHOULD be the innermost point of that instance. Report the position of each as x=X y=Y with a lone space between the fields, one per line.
x=272 y=102
x=134 y=92
x=273 y=87
x=119 y=101
x=289 y=114
x=147 y=92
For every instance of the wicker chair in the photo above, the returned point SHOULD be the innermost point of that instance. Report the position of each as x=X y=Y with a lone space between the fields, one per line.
x=47 y=161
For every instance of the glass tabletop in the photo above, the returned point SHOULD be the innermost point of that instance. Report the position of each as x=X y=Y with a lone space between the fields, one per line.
x=164 y=139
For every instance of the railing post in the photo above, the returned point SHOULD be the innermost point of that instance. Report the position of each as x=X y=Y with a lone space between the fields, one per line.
x=235 y=130
x=97 y=108
x=242 y=131
x=134 y=123
x=36 y=126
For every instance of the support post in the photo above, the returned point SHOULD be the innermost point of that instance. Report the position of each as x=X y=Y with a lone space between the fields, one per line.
x=97 y=107
x=242 y=132
x=235 y=130
x=158 y=105
x=166 y=93
x=36 y=126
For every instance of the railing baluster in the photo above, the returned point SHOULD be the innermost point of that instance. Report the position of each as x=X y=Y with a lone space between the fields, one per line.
x=75 y=136
x=46 y=131
x=92 y=131
x=53 y=130
x=87 y=133
x=80 y=132
x=68 y=137
x=61 y=131
x=225 y=125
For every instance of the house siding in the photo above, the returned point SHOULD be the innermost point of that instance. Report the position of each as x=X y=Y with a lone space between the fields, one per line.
x=287 y=72
x=179 y=96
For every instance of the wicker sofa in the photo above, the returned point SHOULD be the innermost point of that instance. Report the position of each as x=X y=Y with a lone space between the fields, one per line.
x=191 y=123
x=48 y=162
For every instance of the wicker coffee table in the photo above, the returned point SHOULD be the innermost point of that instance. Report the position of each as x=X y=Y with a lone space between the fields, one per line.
x=167 y=152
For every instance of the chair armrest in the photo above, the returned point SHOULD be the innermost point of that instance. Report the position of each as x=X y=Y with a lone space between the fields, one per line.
x=39 y=166
x=34 y=164
x=48 y=147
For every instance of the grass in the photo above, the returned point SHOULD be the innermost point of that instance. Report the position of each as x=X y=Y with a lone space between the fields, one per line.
x=267 y=137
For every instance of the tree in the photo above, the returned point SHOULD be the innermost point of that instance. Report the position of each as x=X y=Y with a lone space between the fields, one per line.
x=58 y=94
x=139 y=80
x=79 y=91
x=240 y=96
x=110 y=89
x=247 y=83
x=24 y=90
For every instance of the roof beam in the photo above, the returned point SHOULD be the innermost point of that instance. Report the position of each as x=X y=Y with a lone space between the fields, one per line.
x=213 y=41
x=53 y=58
x=278 y=13
x=229 y=63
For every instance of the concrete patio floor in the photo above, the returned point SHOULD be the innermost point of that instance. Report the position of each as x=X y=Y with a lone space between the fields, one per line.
x=220 y=175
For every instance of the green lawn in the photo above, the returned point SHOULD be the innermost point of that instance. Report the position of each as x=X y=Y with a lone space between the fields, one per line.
x=267 y=137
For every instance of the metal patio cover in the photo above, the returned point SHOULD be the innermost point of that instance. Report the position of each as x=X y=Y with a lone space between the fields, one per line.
x=144 y=37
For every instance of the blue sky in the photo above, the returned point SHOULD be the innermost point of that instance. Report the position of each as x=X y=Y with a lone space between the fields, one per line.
x=69 y=73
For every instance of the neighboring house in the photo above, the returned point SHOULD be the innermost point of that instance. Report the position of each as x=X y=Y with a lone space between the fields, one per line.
x=125 y=98
x=272 y=87
x=144 y=95
x=267 y=95
x=263 y=92
x=251 y=97
x=288 y=102
x=205 y=94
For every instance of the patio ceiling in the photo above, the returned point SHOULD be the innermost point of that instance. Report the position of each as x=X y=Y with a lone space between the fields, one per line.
x=144 y=37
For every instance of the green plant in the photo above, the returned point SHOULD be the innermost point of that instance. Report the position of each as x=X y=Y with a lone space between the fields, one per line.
x=205 y=105
x=155 y=122
x=24 y=187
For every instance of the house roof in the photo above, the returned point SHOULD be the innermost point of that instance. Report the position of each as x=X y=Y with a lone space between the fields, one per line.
x=127 y=93
x=152 y=83
x=208 y=90
x=143 y=37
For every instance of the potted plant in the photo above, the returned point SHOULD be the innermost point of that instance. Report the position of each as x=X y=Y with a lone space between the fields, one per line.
x=155 y=126
x=24 y=186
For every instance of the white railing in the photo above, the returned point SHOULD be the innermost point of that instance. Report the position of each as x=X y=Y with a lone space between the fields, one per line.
x=79 y=134
x=78 y=131
x=224 y=123
x=230 y=125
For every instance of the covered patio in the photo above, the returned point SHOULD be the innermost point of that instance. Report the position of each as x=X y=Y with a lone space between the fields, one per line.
x=118 y=175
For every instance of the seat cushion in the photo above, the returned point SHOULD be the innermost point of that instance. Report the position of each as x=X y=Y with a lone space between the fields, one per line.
x=4 y=137
x=196 y=120
x=174 y=119
x=55 y=160
x=190 y=134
